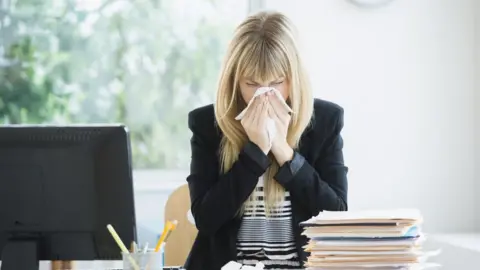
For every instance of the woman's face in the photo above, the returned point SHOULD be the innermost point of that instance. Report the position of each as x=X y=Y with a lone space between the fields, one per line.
x=249 y=86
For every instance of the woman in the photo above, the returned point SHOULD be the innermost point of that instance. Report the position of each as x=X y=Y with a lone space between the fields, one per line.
x=248 y=193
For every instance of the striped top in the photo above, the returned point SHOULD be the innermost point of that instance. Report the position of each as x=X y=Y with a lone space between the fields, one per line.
x=267 y=239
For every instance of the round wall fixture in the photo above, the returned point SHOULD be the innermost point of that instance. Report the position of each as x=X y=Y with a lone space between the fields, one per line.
x=370 y=3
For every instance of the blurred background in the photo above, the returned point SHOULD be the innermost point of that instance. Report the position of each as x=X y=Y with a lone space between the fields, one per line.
x=406 y=72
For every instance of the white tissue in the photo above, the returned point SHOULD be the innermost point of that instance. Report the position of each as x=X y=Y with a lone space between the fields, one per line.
x=248 y=267
x=231 y=265
x=237 y=266
x=270 y=123
x=190 y=217
x=260 y=265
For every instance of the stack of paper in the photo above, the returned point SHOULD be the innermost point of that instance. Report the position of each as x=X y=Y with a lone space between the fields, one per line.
x=387 y=239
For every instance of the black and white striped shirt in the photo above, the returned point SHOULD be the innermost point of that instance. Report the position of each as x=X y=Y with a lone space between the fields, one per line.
x=267 y=239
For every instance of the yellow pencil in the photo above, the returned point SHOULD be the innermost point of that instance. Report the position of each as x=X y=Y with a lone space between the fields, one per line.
x=122 y=246
x=168 y=227
x=174 y=225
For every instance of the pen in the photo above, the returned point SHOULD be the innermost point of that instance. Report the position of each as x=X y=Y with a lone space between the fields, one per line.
x=145 y=248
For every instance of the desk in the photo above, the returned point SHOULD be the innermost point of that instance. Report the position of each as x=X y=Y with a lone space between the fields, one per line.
x=464 y=240
x=90 y=265
x=452 y=257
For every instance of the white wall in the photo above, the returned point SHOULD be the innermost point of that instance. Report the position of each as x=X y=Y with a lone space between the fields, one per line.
x=477 y=108
x=405 y=76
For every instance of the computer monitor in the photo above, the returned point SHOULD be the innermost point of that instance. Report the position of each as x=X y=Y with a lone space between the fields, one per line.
x=59 y=188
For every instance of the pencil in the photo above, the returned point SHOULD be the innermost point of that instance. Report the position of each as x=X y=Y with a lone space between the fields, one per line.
x=168 y=227
x=174 y=225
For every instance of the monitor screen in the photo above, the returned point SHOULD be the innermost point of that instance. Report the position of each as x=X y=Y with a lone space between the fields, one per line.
x=61 y=186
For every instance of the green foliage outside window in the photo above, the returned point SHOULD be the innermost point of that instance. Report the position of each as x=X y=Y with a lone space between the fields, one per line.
x=144 y=63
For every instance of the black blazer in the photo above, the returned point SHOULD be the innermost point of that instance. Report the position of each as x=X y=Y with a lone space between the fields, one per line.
x=316 y=179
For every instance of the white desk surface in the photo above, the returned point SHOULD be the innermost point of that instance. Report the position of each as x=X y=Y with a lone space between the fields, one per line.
x=458 y=251
x=88 y=265
x=455 y=253
x=463 y=240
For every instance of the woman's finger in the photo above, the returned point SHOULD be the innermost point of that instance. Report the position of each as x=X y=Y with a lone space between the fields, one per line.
x=258 y=108
x=280 y=103
x=261 y=108
x=276 y=108
x=263 y=113
x=282 y=111
x=271 y=112
x=278 y=122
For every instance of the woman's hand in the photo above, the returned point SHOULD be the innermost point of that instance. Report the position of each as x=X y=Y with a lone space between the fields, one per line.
x=280 y=147
x=254 y=123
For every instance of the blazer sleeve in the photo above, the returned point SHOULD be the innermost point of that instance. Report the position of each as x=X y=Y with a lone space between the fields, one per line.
x=216 y=197
x=323 y=185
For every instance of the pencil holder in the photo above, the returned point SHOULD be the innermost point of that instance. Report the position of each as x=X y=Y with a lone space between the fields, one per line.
x=149 y=260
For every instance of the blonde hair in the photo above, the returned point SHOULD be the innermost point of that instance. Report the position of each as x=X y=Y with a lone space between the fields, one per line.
x=263 y=48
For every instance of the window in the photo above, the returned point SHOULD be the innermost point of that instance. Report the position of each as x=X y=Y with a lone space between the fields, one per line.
x=144 y=63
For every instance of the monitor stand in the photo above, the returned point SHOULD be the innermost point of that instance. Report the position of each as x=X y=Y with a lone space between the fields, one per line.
x=20 y=254
x=62 y=265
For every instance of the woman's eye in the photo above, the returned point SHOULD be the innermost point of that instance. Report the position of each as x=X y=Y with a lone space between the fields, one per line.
x=251 y=84
x=277 y=83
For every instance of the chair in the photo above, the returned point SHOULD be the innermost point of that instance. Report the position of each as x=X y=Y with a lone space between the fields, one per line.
x=181 y=239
